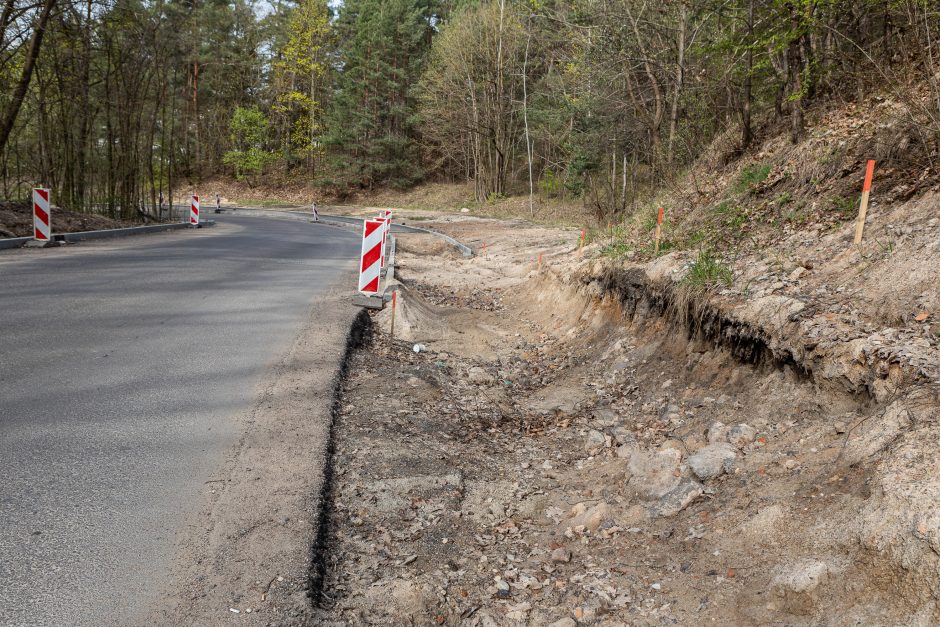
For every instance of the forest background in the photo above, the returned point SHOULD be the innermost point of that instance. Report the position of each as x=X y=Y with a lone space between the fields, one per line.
x=116 y=103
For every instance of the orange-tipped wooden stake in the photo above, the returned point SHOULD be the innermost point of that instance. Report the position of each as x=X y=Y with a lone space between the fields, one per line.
x=659 y=229
x=863 y=209
x=484 y=249
x=540 y=261
x=394 y=307
x=583 y=236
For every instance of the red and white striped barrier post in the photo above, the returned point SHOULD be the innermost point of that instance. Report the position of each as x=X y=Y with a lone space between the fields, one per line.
x=387 y=214
x=371 y=264
x=194 y=211
x=42 y=218
x=384 y=222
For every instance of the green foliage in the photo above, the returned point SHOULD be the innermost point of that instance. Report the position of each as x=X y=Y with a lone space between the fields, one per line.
x=697 y=238
x=299 y=80
x=752 y=175
x=616 y=250
x=550 y=185
x=846 y=206
x=249 y=131
x=708 y=272
x=731 y=215
x=371 y=125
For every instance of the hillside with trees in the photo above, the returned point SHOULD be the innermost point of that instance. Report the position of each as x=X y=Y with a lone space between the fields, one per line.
x=596 y=102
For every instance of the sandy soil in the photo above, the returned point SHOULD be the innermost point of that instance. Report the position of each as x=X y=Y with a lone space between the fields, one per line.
x=565 y=452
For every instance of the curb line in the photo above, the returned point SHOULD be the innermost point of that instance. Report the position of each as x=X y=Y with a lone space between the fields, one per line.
x=83 y=236
x=359 y=333
x=348 y=221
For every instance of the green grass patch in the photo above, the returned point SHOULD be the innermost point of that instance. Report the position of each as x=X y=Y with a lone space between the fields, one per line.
x=731 y=215
x=707 y=272
x=616 y=250
x=751 y=176
x=846 y=206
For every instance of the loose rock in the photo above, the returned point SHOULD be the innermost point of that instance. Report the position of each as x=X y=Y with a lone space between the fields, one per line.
x=713 y=460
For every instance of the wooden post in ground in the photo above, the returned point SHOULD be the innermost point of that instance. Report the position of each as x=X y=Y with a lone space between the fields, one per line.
x=863 y=209
x=394 y=308
x=659 y=229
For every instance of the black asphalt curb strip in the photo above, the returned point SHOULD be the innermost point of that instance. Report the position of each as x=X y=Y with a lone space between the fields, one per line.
x=82 y=236
x=359 y=334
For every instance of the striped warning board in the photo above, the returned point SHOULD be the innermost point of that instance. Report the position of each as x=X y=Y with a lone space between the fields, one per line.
x=42 y=220
x=371 y=266
x=194 y=211
x=385 y=222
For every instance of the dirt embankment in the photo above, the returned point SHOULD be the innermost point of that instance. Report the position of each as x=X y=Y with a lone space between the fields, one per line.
x=16 y=220
x=586 y=443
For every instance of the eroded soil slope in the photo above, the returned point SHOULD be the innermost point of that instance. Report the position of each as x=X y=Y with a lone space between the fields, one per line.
x=567 y=451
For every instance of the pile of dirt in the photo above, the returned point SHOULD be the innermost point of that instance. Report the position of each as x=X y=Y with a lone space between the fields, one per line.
x=16 y=220
x=567 y=449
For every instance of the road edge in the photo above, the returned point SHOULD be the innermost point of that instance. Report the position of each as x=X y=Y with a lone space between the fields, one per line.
x=82 y=236
x=359 y=334
x=250 y=553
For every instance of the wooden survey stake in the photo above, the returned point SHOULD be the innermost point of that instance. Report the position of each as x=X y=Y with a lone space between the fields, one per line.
x=659 y=229
x=863 y=209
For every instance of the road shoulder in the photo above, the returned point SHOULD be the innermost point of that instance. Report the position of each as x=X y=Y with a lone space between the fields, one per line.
x=247 y=554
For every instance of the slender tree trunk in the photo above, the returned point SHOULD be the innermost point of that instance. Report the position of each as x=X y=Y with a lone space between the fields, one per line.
x=795 y=66
x=747 y=135
x=5 y=20
x=525 y=117
x=680 y=80
x=19 y=93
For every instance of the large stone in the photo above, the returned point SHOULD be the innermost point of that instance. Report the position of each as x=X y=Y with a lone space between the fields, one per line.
x=713 y=460
x=654 y=474
x=606 y=417
x=589 y=517
x=717 y=432
x=623 y=435
x=741 y=435
x=678 y=498
x=595 y=440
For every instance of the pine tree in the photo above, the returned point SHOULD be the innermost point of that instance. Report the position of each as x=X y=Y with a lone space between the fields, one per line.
x=371 y=132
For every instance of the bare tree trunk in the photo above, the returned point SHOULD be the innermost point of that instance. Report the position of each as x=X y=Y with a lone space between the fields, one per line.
x=680 y=80
x=747 y=134
x=5 y=20
x=795 y=67
x=19 y=93
x=525 y=117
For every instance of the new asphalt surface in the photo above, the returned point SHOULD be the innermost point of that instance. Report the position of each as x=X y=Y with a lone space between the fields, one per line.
x=125 y=369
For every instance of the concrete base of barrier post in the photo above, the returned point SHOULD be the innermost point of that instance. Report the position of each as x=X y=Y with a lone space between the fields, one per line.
x=33 y=243
x=375 y=301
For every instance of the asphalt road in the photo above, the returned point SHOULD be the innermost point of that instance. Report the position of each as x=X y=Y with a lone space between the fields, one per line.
x=124 y=367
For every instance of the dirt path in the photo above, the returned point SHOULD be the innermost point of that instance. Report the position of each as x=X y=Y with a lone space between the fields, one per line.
x=552 y=459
